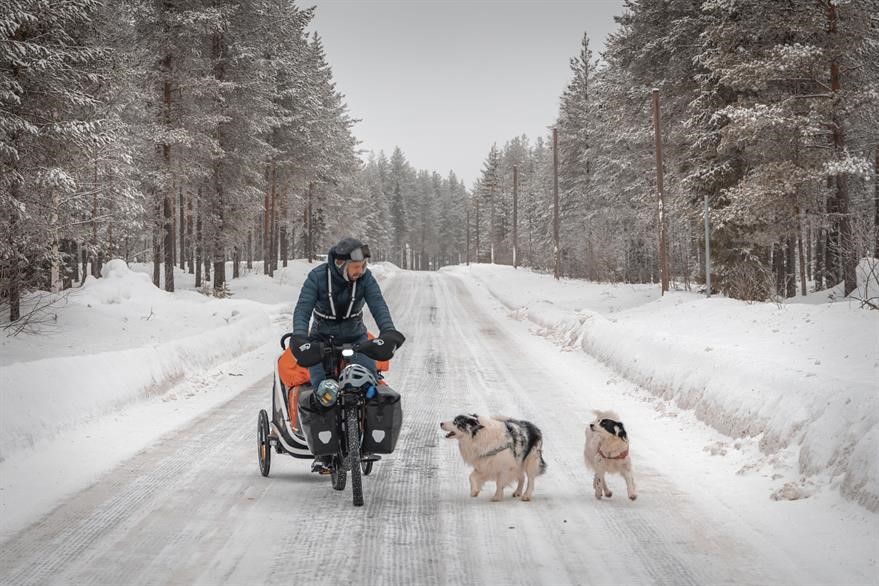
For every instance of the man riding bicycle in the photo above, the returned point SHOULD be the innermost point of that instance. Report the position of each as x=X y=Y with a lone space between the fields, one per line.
x=332 y=299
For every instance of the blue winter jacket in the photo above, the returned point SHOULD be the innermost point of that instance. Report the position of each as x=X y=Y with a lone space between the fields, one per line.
x=315 y=299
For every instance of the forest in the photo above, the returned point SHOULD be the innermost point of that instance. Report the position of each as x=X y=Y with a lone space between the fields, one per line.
x=191 y=133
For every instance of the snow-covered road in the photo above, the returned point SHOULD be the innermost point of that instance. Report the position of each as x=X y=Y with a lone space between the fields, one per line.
x=192 y=508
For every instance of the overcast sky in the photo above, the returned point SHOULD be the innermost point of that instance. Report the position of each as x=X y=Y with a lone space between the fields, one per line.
x=445 y=79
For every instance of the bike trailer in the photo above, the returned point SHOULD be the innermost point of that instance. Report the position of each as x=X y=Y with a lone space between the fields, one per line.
x=384 y=418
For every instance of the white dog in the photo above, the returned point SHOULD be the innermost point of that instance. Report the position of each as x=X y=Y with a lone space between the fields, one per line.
x=499 y=449
x=607 y=450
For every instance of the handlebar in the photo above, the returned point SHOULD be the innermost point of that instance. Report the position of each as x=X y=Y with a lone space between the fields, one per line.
x=374 y=349
x=284 y=339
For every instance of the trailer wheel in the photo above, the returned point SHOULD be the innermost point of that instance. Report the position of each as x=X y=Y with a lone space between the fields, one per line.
x=263 y=444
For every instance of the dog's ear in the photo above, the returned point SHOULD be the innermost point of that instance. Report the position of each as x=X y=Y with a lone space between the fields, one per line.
x=476 y=429
x=467 y=423
x=614 y=428
x=463 y=422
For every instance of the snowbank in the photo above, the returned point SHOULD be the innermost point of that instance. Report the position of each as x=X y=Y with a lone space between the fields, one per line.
x=800 y=376
x=113 y=341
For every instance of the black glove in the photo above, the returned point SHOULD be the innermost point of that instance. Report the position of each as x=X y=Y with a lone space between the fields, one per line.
x=307 y=352
x=393 y=337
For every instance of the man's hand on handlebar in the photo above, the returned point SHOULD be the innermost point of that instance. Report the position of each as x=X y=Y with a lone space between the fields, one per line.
x=307 y=352
x=383 y=347
x=393 y=337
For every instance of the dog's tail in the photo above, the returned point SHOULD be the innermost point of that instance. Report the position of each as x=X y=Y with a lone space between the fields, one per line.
x=541 y=468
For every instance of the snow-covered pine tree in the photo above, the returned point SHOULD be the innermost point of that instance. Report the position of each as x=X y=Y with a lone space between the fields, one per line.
x=652 y=49
x=489 y=188
x=766 y=106
x=574 y=166
x=376 y=210
x=450 y=233
x=329 y=142
x=48 y=105
x=402 y=180
x=288 y=60
x=850 y=45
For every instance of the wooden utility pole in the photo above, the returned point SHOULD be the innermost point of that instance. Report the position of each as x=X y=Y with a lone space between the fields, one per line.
x=273 y=224
x=55 y=261
x=467 y=230
x=802 y=252
x=250 y=248
x=182 y=256
x=173 y=225
x=491 y=222
x=169 y=194
x=848 y=253
x=876 y=202
x=660 y=192
x=515 y=216
x=266 y=220
x=198 y=243
x=96 y=260
x=190 y=252
x=284 y=224
x=168 y=214
x=557 y=249
x=309 y=221
x=707 y=251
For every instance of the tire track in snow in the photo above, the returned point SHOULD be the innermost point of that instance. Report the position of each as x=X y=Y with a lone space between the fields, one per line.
x=529 y=530
x=401 y=541
x=493 y=545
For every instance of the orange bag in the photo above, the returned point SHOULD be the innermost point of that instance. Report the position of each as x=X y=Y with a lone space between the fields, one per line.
x=292 y=411
x=289 y=370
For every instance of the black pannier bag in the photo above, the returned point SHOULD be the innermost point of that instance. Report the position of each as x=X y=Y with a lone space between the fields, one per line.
x=384 y=418
x=319 y=425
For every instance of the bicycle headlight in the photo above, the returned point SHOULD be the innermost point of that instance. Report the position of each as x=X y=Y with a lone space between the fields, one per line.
x=327 y=392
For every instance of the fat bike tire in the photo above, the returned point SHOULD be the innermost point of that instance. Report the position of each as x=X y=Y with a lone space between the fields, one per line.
x=351 y=427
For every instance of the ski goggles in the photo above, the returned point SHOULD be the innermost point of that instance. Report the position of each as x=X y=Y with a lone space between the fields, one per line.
x=360 y=254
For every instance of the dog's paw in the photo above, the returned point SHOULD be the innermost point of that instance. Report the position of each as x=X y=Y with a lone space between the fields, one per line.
x=598 y=494
x=526 y=498
x=633 y=497
x=474 y=493
x=517 y=494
